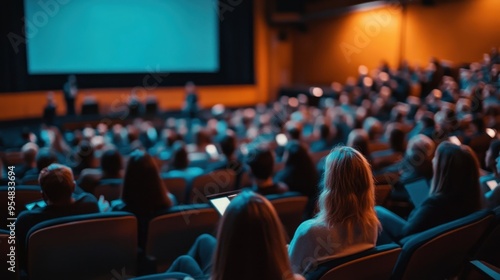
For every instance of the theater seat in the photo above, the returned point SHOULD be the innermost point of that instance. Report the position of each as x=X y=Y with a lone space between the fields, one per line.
x=290 y=207
x=171 y=234
x=441 y=252
x=91 y=246
x=375 y=263
x=177 y=187
x=215 y=182
x=4 y=250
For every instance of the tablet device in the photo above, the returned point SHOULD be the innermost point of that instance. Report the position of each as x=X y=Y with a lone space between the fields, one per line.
x=418 y=191
x=492 y=184
x=36 y=204
x=221 y=201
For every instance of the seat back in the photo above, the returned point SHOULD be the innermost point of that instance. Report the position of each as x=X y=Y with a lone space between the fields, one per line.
x=215 y=182
x=375 y=263
x=111 y=189
x=442 y=251
x=171 y=234
x=177 y=187
x=290 y=208
x=23 y=196
x=489 y=247
x=91 y=246
x=382 y=192
x=6 y=260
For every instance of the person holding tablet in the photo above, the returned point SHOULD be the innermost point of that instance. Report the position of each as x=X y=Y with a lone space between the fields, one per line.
x=250 y=245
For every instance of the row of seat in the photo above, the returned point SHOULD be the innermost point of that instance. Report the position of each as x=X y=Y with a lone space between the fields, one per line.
x=94 y=246
x=438 y=253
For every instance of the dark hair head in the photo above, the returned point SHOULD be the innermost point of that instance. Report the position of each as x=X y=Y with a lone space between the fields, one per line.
x=479 y=124
x=85 y=152
x=324 y=131
x=57 y=182
x=456 y=174
x=358 y=139
x=253 y=238
x=397 y=139
x=297 y=155
x=261 y=162
x=180 y=160
x=111 y=162
x=228 y=145
x=143 y=190
x=428 y=120
x=45 y=158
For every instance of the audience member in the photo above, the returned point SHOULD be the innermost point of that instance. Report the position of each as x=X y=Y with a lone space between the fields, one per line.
x=454 y=193
x=143 y=192
x=57 y=190
x=179 y=163
x=111 y=167
x=346 y=222
x=243 y=248
x=29 y=153
x=261 y=163
x=228 y=147
x=299 y=173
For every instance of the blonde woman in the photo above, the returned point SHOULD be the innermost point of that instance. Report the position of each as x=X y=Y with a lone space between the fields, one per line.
x=346 y=222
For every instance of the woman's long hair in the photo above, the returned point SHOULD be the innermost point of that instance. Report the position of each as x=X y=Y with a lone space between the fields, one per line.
x=143 y=190
x=456 y=173
x=348 y=196
x=251 y=242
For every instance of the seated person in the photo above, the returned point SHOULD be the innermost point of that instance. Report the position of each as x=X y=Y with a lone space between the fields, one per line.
x=396 y=139
x=261 y=163
x=299 y=173
x=228 y=146
x=346 y=223
x=111 y=168
x=84 y=157
x=57 y=186
x=144 y=193
x=179 y=163
x=44 y=158
x=252 y=245
x=455 y=193
x=324 y=142
x=29 y=152
x=416 y=164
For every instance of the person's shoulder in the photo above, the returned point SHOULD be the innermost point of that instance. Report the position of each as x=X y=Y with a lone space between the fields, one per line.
x=84 y=198
x=310 y=225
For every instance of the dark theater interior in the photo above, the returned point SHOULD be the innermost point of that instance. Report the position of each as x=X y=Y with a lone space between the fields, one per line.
x=249 y=139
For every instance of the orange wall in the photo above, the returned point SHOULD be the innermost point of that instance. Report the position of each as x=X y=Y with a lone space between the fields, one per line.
x=333 y=48
x=458 y=31
x=30 y=104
